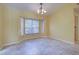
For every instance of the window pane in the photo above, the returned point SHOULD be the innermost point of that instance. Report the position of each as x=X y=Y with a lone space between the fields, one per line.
x=28 y=23
x=28 y=31
x=35 y=30
x=35 y=23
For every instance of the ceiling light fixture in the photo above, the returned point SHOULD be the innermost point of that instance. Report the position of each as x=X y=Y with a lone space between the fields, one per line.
x=41 y=10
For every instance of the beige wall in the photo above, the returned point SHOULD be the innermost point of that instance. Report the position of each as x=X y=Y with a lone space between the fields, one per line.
x=62 y=24
x=1 y=25
x=11 y=16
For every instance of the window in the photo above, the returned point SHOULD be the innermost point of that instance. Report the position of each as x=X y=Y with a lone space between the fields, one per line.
x=31 y=26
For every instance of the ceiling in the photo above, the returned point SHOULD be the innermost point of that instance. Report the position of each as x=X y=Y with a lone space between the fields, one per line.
x=33 y=7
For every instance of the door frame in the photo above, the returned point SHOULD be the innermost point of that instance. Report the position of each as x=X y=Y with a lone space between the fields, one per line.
x=76 y=29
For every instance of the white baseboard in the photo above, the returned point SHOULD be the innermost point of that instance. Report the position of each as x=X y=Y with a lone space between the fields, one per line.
x=9 y=44
x=68 y=42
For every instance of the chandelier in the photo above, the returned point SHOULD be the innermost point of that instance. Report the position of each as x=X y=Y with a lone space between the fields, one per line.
x=41 y=10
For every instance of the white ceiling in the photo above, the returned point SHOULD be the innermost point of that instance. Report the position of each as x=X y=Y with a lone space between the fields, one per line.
x=50 y=7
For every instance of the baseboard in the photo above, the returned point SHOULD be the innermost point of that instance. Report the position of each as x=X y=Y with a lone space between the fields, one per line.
x=68 y=42
x=8 y=44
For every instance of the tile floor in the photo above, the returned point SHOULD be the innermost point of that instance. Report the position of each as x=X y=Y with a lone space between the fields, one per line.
x=42 y=46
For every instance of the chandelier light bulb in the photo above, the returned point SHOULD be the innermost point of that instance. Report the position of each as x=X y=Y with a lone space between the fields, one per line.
x=38 y=11
x=45 y=11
